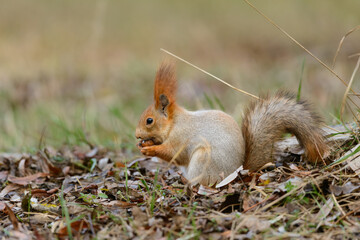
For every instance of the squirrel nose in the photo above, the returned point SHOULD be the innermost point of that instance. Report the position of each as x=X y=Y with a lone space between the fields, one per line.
x=137 y=134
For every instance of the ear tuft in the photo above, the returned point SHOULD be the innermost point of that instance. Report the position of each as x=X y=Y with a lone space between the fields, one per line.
x=165 y=85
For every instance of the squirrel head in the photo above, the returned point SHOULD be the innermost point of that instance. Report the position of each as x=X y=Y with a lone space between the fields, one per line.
x=156 y=121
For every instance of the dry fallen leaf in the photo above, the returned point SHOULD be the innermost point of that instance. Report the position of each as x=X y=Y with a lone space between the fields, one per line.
x=355 y=207
x=255 y=224
x=120 y=165
x=3 y=175
x=345 y=189
x=354 y=161
x=226 y=234
x=324 y=210
x=118 y=203
x=76 y=228
x=268 y=176
x=92 y=152
x=295 y=181
x=26 y=180
x=140 y=218
x=2 y=206
x=19 y=235
x=38 y=235
x=22 y=168
x=204 y=190
x=230 y=178
x=8 y=188
x=44 y=207
x=12 y=217
x=103 y=162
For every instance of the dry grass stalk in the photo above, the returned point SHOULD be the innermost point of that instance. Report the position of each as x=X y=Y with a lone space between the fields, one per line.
x=354 y=55
x=211 y=75
x=349 y=87
x=296 y=42
x=341 y=43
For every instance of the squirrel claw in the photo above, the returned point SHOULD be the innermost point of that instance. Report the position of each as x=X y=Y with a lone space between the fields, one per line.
x=139 y=145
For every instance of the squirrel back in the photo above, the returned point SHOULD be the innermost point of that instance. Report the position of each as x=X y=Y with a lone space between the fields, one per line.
x=210 y=145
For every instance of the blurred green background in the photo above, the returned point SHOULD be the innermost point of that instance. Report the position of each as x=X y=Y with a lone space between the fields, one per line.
x=77 y=71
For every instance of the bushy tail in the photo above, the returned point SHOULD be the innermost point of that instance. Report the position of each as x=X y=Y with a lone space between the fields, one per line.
x=265 y=122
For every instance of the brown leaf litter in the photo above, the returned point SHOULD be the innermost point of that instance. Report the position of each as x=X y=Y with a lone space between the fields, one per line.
x=148 y=199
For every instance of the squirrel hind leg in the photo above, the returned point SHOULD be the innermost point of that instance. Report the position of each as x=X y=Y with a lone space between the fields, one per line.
x=200 y=169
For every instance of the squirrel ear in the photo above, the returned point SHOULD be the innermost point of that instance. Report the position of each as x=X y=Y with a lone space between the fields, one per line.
x=164 y=101
x=163 y=105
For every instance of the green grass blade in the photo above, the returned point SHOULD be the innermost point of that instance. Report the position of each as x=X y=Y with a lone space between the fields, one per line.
x=209 y=101
x=221 y=106
x=342 y=159
x=65 y=212
x=301 y=79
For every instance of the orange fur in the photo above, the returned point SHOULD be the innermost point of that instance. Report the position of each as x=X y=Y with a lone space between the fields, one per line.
x=165 y=84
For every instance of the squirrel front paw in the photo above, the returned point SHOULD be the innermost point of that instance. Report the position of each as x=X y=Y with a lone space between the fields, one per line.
x=149 y=151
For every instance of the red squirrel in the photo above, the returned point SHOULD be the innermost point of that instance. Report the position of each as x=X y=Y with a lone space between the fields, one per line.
x=209 y=144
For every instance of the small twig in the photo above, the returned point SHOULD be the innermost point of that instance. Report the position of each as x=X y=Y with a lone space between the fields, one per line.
x=282 y=197
x=230 y=205
x=41 y=138
x=47 y=198
x=221 y=214
x=48 y=214
x=354 y=55
x=237 y=228
x=337 y=205
x=232 y=229
x=348 y=214
x=260 y=191
x=259 y=203
x=211 y=75
x=82 y=187
x=317 y=185
x=91 y=225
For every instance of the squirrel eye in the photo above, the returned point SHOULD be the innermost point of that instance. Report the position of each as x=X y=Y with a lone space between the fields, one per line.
x=149 y=121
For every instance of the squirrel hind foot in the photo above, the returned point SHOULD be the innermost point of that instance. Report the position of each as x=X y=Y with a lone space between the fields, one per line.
x=317 y=151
